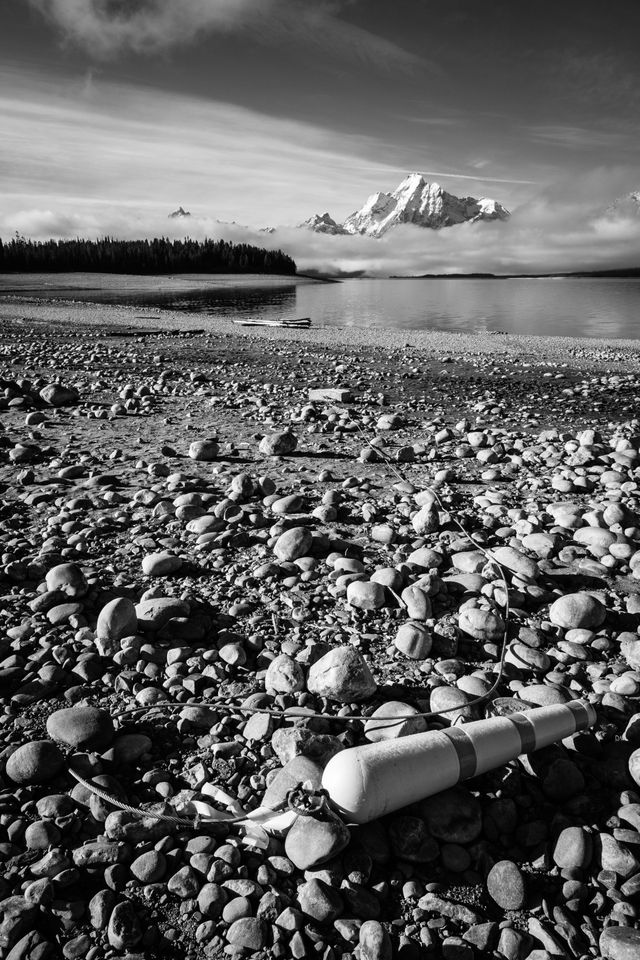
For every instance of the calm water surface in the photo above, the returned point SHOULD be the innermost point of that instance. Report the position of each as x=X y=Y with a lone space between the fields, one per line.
x=576 y=307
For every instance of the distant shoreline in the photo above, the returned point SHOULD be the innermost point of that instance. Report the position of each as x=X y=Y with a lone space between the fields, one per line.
x=624 y=273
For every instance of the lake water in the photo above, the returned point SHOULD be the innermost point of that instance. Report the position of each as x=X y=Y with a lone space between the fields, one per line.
x=571 y=307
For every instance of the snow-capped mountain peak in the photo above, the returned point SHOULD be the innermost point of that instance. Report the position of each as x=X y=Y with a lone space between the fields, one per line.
x=323 y=223
x=416 y=201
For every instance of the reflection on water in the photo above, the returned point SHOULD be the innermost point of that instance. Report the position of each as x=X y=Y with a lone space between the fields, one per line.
x=573 y=307
x=579 y=307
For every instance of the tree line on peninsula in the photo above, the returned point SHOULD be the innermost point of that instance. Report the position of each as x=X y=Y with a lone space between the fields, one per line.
x=157 y=256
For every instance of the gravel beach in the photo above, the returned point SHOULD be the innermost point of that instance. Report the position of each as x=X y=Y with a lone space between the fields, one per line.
x=220 y=542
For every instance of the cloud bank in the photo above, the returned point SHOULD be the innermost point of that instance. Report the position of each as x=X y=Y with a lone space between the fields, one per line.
x=567 y=226
x=107 y=28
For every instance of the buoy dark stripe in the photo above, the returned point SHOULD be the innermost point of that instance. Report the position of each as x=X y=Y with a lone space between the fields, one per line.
x=526 y=730
x=465 y=750
x=581 y=714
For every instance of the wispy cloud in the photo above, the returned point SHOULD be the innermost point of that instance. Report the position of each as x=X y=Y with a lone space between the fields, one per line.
x=146 y=148
x=577 y=138
x=107 y=28
x=451 y=175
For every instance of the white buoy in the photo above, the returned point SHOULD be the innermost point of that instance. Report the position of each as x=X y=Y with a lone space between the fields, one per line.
x=369 y=781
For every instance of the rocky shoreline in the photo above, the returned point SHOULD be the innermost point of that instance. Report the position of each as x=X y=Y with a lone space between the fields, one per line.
x=218 y=543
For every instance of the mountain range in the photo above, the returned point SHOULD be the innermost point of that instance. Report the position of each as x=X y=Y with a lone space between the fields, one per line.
x=415 y=201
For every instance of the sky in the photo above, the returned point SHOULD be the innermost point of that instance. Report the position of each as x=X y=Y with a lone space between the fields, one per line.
x=263 y=112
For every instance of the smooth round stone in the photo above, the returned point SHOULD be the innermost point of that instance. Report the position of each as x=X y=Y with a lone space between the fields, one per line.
x=516 y=562
x=505 y=885
x=425 y=558
x=312 y=841
x=630 y=648
x=278 y=444
x=366 y=595
x=87 y=727
x=543 y=694
x=484 y=625
x=34 y=762
x=634 y=767
x=626 y=685
x=55 y=805
x=620 y=943
x=527 y=658
x=293 y=544
x=206 y=450
x=342 y=675
x=117 y=619
x=293 y=503
x=68 y=578
x=41 y=835
x=284 y=675
x=450 y=702
x=161 y=564
x=426 y=520
x=577 y=611
x=124 y=928
x=469 y=561
x=388 y=577
x=384 y=725
x=149 y=867
x=573 y=849
x=248 y=933
x=414 y=640
x=615 y=856
x=417 y=602
x=374 y=943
